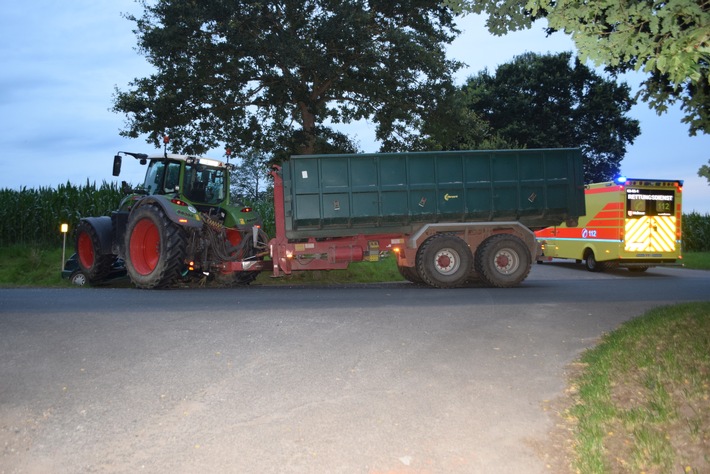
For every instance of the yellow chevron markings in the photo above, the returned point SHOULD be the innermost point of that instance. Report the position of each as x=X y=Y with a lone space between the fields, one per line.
x=650 y=234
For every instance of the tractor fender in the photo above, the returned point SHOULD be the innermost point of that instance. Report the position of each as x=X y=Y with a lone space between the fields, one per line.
x=182 y=215
x=104 y=230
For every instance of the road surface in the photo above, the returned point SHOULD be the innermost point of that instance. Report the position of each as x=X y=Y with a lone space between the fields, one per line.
x=390 y=378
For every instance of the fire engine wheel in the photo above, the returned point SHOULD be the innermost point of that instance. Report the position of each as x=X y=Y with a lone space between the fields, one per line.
x=444 y=261
x=503 y=261
x=155 y=248
x=92 y=262
x=591 y=263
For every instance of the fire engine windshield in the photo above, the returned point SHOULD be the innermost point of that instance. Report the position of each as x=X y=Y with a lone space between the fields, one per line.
x=649 y=202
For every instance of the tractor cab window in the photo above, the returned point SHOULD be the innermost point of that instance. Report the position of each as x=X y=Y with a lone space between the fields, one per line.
x=162 y=177
x=154 y=177
x=204 y=184
x=172 y=177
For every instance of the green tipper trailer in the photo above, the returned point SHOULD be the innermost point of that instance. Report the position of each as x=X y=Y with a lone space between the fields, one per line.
x=449 y=216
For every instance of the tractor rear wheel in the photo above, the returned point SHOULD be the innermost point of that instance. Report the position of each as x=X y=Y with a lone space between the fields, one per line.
x=94 y=264
x=503 y=261
x=155 y=248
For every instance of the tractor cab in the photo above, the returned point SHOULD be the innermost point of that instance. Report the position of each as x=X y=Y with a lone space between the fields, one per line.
x=188 y=177
x=197 y=180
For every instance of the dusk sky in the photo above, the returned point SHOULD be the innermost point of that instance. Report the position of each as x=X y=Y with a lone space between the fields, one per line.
x=62 y=60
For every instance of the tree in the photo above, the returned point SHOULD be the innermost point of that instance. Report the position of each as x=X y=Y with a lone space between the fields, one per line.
x=272 y=74
x=669 y=40
x=250 y=177
x=548 y=101
x=704 y=171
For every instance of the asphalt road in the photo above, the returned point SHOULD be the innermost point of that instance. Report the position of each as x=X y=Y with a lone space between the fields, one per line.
x=353 y=379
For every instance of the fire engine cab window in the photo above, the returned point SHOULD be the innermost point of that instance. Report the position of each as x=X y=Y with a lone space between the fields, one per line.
x=645 y=202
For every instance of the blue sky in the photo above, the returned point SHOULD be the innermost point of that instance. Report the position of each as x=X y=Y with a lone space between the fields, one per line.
x=62 y=60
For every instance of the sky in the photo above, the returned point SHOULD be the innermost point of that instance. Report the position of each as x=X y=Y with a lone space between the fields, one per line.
x=62 y=61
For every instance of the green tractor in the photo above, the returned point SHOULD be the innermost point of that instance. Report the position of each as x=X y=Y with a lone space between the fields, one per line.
x=179 y=225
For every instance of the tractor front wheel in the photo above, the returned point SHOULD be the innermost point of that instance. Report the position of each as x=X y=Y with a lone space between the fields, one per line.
x=155 y=248
x=94 y=264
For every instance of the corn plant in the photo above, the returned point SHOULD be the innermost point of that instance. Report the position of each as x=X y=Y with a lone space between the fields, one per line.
x=34 y=216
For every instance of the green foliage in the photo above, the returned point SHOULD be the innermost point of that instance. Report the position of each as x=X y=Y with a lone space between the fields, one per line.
x=271 y=75
x=696 y=232
x=34 y=216
x=250 y=178
x=704 y=172
x=545 y=101
x=668 y=40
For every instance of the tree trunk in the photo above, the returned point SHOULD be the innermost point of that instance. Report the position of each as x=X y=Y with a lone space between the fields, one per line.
x=309 y=130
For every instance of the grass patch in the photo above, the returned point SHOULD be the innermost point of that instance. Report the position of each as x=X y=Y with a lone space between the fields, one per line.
x=23 y=265
x=358 y=272
x=642 y=400
x=697 y=260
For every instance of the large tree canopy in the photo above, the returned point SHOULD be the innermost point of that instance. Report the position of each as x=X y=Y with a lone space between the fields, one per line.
x=545 y=101
x=272 y=75
x=668 y=39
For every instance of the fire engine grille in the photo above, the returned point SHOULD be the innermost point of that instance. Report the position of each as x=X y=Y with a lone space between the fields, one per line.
x=651 y=234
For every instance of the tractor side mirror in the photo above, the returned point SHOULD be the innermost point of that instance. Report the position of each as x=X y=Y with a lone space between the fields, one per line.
x=117 y=165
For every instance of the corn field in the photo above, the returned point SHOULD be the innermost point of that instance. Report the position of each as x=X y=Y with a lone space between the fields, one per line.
x=34 y=216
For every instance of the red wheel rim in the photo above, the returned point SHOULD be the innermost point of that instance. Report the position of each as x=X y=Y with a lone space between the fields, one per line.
x=86 y=250
x=145 y=246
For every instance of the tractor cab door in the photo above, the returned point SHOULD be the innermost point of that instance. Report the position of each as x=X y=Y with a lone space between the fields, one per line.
x=162 y=177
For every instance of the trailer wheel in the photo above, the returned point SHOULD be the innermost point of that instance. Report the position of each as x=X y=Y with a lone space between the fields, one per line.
x=410 y=274
x=155 y=248
x=503 y=261
x=92 y=262
x=444 y=261
x=638 y=269
x=591 y=263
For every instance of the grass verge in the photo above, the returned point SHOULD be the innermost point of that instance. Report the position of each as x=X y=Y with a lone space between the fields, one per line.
x=642 y=399
x=358 y=272
x=22 y=265
x=697 y=260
